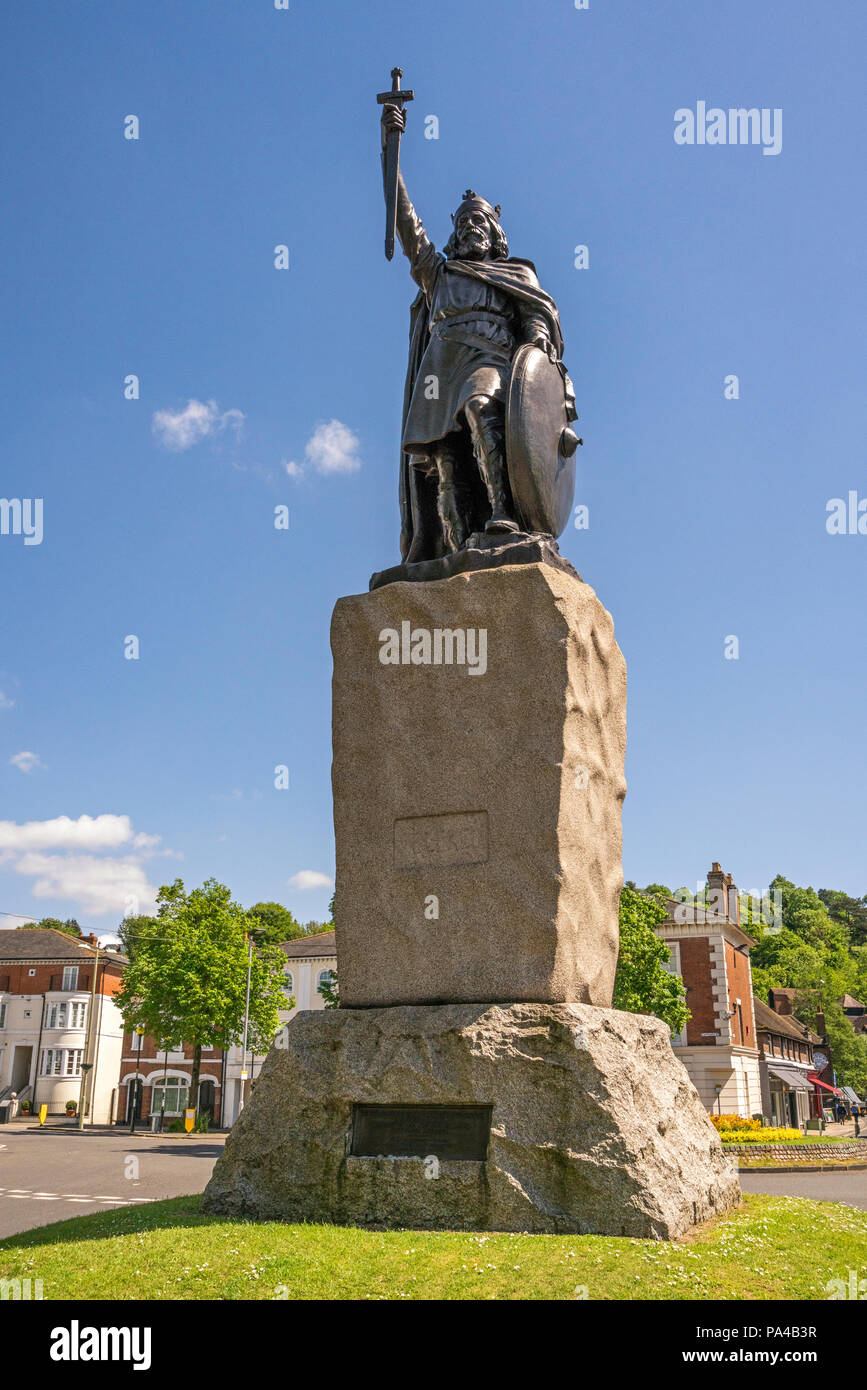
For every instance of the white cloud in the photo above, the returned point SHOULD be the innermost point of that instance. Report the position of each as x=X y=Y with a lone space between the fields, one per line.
x=143 y=841
x=293 y=469
x=333 y=448
x=310 y=878
x=88 y=880
x=88 y=832
x=99 y=886
x=8 y=923
x=5 y=702
x=26 y=762
x=181 y=429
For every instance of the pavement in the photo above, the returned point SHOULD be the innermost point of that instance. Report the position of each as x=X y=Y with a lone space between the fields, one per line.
x=57 y=1172
x=819 y=1187
x=846 y=1130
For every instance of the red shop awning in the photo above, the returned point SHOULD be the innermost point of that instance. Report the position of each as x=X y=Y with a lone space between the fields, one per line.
x=825 y=1087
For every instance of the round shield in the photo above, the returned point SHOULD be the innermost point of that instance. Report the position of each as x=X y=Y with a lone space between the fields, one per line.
x=540 y=446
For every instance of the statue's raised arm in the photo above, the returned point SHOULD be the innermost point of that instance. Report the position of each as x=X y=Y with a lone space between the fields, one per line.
x=414 y=240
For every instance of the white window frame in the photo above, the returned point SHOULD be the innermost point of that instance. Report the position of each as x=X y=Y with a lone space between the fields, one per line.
x=178 y=1083
x=321 y=977
x=3 y=1014
x=70 y=977
x=61 y=1061
x=673 y=968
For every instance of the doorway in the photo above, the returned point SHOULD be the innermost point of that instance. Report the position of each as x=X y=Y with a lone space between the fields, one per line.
x=21 y=1064
x=207 y=1096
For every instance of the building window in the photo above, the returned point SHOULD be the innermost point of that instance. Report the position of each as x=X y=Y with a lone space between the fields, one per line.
x=61 y=1061
x=2 y=1015
x=325 y=977
x=288 y=983
x=175 y=1089
x=67 y=1015
x=70 y=977
x=136 y=1040
x=672 y=966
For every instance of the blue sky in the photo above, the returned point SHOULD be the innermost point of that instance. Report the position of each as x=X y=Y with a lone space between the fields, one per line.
x=259 y=127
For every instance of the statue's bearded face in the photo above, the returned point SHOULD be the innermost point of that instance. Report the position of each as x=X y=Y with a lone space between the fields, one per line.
x=473 y=240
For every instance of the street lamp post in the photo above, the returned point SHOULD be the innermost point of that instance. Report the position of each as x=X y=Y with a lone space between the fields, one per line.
x=165 y=1082
x=251 y=935
x=136 y=1083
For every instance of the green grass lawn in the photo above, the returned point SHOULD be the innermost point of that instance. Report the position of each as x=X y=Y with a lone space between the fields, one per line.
x=772 y=1247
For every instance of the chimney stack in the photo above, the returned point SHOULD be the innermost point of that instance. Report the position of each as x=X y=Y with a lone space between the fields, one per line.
x=780 y=1000
x=722 y=895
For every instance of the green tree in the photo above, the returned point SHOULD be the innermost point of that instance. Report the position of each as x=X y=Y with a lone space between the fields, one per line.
x=330 y=991
x=187 y=977
x=642 y=985
x=851 y=912
x=69 y=928
x=278 y=922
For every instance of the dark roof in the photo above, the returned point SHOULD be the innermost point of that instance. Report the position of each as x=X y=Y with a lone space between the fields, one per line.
x=785 y=1024
x=45 y=943
x=847 y=1002
x=305 y=947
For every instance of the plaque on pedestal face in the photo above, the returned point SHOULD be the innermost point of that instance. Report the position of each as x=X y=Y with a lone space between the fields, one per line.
x=459 y=1132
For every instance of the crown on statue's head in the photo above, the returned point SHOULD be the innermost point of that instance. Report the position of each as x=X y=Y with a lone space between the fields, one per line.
x=473 y=203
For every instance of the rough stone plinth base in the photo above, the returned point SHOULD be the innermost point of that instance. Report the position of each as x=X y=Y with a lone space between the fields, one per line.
x=477 y=803
x=595 y=1127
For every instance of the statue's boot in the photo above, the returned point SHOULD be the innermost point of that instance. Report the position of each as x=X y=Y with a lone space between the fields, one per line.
x=449 y=498
x=488 y=435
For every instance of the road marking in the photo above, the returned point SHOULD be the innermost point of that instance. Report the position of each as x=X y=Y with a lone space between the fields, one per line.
x=21 y=1194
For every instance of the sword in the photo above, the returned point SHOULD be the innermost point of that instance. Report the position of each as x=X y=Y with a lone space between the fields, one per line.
x=392 y=159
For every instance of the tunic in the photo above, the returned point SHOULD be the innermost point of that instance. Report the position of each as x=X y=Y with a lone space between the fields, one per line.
x=475 y=327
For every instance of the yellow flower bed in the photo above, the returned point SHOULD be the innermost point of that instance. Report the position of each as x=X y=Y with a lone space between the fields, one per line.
x=760 y=1136
x=735 y=1122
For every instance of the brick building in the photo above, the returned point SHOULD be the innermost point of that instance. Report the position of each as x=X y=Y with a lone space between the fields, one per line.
x=791 y=1090
x=709 y=950
x=158 y=1079
x=57 y=1015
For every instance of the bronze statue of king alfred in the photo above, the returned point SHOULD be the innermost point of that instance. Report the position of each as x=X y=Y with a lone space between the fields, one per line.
x=486 y=449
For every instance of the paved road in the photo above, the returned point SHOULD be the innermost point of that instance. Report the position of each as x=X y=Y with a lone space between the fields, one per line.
x=51 y=1174
x=827 y=1187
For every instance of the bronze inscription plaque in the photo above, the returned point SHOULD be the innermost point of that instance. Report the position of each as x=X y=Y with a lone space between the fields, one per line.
x=421 y=1131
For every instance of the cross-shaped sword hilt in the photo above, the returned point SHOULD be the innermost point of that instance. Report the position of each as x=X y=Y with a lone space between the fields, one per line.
x=395 y=97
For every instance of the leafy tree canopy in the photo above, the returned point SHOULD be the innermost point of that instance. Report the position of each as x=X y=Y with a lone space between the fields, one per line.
x=642 y=985
x=187 y=978
x=69 y=928
x=278 y=922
